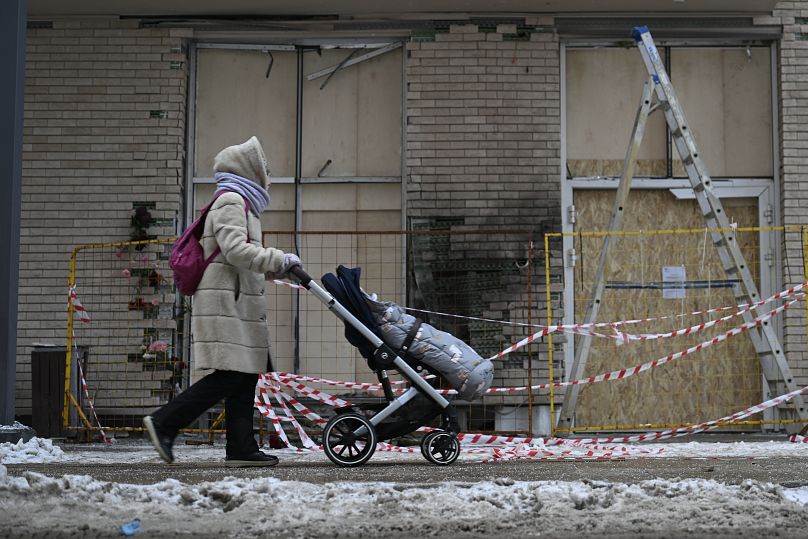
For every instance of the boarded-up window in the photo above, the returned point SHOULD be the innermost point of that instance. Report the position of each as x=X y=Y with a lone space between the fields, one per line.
x=725 y=93
x=235 y=100
x=349 y=186
x=352 y=126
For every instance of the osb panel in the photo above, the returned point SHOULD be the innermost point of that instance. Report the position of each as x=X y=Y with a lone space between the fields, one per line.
x=587 y=168
x=705 y=385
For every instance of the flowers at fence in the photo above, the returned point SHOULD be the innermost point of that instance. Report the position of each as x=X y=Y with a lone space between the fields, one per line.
x=126 y=273
x=158 y=346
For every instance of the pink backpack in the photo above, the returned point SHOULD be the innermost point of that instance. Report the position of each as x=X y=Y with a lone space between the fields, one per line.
x=187 y=259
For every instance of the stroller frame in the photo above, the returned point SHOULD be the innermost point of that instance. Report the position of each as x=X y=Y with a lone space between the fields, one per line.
x=357 y=432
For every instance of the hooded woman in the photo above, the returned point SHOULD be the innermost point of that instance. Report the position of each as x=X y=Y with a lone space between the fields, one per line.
x=229 y=323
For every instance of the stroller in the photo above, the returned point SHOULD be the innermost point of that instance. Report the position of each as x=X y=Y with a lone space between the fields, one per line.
x=350 y=437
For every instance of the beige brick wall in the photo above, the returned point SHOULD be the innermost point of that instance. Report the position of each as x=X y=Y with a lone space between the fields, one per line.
x=793 y=113
x=482 y=151
x=91 y=150
x=483 y=127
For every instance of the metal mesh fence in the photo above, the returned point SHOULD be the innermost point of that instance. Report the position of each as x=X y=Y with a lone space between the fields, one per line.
x=136 y=344
x=134 y=356
x=441 y=276
x=667 y=276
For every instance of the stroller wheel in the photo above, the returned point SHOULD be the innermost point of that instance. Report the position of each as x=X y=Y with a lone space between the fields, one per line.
x=349 y=439
x=440 y=447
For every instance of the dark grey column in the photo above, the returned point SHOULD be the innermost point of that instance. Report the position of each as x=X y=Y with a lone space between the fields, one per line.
x=12 y=71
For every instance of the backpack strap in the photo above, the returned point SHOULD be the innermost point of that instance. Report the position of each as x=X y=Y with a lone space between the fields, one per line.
x=204 y=211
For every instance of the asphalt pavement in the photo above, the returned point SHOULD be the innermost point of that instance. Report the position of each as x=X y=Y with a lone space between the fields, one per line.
x=786 y=471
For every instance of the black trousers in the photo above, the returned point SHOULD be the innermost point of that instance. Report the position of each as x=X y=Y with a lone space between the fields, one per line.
x=238 y=391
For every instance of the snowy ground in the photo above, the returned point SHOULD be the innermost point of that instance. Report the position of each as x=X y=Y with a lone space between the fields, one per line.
x=40 y=450
x=33 y=504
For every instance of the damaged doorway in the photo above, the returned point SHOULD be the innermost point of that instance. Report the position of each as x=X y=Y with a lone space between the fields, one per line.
x=726 y=93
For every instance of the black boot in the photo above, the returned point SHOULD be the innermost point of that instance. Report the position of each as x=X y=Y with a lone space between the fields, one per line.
x=162 y=442
x=253 y=459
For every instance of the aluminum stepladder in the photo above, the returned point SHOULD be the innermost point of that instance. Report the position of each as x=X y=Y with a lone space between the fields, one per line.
x=658 y=93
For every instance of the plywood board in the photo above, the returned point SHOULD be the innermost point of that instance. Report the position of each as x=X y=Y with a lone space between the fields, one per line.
x=703 y=386
x=725 y=93
x=355 y=120
x=604 y=87
x=236 y=100
x=726 y=96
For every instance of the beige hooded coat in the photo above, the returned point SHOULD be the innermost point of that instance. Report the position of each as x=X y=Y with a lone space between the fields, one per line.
x=229 y=322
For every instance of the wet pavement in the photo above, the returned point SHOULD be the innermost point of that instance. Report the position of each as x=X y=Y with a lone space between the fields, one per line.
x=786 y=471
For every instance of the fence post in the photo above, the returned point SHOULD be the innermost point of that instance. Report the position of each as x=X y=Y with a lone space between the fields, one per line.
x=69 y=340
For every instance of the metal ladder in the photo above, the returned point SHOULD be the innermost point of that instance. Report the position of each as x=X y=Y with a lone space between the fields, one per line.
x=776 y=372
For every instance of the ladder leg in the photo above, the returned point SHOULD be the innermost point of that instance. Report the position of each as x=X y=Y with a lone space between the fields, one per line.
x=599 y=284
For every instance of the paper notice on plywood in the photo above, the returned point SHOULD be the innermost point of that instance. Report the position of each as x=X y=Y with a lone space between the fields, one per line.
x=673 y=282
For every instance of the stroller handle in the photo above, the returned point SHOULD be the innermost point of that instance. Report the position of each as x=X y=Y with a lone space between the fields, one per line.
x=298 y=273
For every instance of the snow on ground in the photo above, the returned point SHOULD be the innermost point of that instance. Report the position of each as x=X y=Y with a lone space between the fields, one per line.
x=35 y=450
x=83 y=506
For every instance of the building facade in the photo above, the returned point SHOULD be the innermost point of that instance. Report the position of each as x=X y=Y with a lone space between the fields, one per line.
x=512 y=125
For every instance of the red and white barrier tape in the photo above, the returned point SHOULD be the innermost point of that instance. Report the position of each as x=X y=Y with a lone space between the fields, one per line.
x=575 y=327
x=297 y=405
x=363 y=386
x=288 y=284
x=267 y=411
x=528 y=448
x=301 y=432
x=617 y=336
x=578 y=328
x=264 y=385
x=78 y=308
x=84 y=316
x=625 y=338
x=101 y=432
x=625 y=373
x=317 y=394
x=613 y=375
x=797 y=438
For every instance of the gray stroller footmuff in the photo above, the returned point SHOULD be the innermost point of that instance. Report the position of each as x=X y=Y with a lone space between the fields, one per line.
x=462 y=367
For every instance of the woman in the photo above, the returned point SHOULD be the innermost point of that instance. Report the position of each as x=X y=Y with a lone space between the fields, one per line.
x=229 y=322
